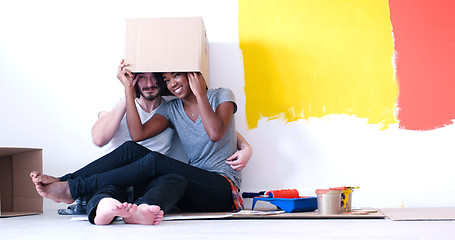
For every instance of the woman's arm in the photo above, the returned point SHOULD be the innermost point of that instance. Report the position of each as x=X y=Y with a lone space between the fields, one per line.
x=215 y=123
x=239 y=159
x=138 y=132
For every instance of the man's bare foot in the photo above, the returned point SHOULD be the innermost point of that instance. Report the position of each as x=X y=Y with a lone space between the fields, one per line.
x=39 y=178
x=144 y=214
x=57 y=191
x=108 y=208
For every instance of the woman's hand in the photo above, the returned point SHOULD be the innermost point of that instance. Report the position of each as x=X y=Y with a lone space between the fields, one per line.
x=197 y=83
x=125 y=76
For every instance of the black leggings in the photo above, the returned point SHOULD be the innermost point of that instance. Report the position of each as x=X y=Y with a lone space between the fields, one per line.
x=132 y=164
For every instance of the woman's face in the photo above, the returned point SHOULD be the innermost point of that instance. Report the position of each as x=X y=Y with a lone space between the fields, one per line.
x=177 y=83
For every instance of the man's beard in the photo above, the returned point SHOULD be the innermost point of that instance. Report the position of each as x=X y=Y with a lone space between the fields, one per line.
x=149 y=97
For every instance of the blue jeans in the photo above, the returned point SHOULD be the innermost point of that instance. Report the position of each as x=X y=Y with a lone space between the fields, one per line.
x=132 y=164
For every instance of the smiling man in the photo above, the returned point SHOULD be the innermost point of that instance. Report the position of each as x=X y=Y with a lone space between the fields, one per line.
x=111 y=128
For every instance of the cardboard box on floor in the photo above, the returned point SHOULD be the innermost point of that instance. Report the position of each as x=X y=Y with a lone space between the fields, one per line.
x=18 y=196
x=167 y=45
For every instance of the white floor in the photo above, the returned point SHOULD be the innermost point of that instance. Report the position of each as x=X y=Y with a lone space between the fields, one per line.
x=52 y=226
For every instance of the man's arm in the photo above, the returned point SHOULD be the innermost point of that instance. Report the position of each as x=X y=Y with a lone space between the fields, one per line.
x=240 y=158
x=107 y=124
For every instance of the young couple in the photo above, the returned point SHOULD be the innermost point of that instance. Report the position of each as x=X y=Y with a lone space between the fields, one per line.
x=138 y=184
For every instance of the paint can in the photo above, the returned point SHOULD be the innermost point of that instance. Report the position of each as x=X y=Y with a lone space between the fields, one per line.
x=329 y=201
x=346 y=197
x=346 y=200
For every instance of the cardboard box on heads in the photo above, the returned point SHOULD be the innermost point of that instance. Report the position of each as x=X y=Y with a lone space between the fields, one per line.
x=167 y=45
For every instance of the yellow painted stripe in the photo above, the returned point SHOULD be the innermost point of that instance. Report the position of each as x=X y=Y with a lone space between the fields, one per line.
x=308 y=58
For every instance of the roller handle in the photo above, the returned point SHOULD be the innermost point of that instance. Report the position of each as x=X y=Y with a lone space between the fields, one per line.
x=252 y=194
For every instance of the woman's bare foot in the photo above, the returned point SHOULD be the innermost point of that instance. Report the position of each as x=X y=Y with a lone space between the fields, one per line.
x=144 y=214
x=108 y=208
x=39 y=178
x=56 y=191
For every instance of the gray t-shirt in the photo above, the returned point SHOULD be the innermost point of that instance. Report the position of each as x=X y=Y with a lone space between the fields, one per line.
x=201 y=151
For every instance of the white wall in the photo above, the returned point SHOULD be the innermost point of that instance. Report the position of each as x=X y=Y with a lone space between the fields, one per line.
x=58 y=63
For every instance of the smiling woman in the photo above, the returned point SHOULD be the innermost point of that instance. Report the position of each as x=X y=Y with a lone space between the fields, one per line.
x=175 y=82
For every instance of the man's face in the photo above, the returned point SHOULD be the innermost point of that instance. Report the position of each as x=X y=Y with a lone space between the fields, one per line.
x=147 y=86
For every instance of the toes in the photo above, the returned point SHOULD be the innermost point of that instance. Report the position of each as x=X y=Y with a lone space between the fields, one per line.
x=128 y=206
x=34 y=174
x=158 y=217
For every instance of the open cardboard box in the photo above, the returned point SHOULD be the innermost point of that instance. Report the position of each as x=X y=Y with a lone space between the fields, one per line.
x=18 y=196
x=167 y=45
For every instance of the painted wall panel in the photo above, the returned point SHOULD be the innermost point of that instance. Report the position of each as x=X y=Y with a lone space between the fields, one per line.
x=424 y=33
x=307 y=59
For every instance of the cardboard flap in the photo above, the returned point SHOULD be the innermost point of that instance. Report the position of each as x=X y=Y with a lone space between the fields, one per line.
x=18 y=195
x=25 y=196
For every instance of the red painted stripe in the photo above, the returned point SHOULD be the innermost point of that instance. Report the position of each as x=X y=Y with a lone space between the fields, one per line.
x=424 y=32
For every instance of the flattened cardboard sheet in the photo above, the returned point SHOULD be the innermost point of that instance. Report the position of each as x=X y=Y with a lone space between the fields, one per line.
x=419 y=214
x=271 y=215
x=309 y=215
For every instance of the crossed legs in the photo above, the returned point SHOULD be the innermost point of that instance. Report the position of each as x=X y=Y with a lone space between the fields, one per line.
x=207 y=191
x=57 y=189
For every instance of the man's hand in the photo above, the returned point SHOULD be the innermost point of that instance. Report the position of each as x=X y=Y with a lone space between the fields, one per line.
x=239 y=159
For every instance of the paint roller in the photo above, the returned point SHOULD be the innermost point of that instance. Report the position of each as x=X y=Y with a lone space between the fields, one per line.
x=282 y=193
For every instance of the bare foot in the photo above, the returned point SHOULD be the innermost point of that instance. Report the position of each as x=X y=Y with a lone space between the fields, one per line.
x=144 y=214
x=39 y=178
x=57 y=191
x=108 y=208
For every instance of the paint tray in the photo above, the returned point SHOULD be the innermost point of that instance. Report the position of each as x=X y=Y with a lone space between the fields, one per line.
x=301 y=204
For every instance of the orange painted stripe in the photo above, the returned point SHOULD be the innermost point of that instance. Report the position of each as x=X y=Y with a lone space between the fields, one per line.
x=424 y=34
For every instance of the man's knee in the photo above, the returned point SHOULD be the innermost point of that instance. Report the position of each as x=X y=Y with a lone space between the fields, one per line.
x=154 y=155
x=129 y=144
